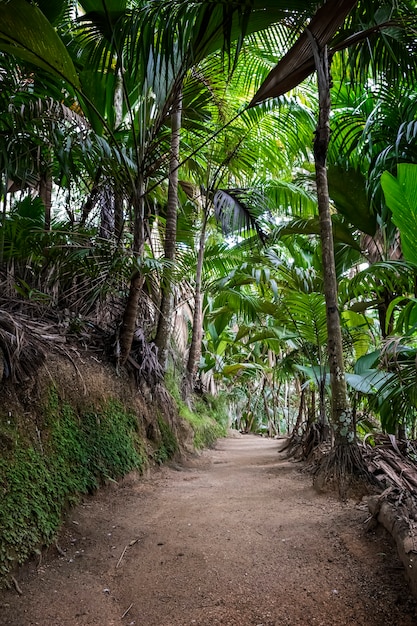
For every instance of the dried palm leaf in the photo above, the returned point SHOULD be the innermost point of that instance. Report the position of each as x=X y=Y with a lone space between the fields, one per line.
x=22 y=348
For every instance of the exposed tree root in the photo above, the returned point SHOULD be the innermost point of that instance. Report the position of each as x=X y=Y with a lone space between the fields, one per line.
x=302 y=447
x=396 y=510
x=343 y=469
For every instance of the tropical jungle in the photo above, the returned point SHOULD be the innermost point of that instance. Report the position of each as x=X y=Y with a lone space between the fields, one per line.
x=208 y=221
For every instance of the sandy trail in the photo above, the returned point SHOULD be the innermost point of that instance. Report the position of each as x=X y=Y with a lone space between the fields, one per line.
x=236 y=536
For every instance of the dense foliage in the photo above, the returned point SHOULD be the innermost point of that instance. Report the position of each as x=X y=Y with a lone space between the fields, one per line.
x=141 y=194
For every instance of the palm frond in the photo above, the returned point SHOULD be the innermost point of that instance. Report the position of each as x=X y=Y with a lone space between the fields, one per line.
x=365 y=288
x=307 y=316
x=299 y=63
x=239 y=210
x=310 y=226
x=22 y=349
x=379 y=42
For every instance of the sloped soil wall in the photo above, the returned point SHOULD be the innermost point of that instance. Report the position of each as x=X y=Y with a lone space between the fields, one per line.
x=72 y=426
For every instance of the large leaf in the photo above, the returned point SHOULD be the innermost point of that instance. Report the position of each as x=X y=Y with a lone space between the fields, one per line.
x=401 y=197
x=311 y=226
x=26 y=33
x=238 y=368
x=299 y=62
x=367 y=383
x=367 y=362
x=347 y=189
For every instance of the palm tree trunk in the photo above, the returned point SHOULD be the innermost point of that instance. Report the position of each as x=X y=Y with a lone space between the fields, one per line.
x=91 y=198
x=197 y=330
x=106 y=228
x=128 y=325
x=118 y=97
x=3 y=188
x=118 y=119
x=118 y=215
x=322 y=399
x=285 y=404
x=45 y=194
x=301 y=391
x=277 y=392
x=344 y=461
x=164 y=328
x=341 y=416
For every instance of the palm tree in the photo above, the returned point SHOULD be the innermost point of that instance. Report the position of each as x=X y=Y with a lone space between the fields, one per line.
x=163 y=331
x=225 y=170
x=122 y=44
x=310 y=52
x=145 y=52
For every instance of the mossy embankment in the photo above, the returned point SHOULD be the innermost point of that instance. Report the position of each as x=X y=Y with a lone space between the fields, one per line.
x=76 y=427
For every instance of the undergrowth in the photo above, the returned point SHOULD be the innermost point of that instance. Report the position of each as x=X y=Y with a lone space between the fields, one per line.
x=39 y=479
x=168 y=445
x=207 y=417
x=206 y=430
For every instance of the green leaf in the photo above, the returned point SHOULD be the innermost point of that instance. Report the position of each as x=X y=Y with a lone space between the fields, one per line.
x=347 y=188
x=238 y=368
x=307 y=316
x=401 y=197
x=367 y=362
x=366 y=383
x=26 y=33
x=311 y=226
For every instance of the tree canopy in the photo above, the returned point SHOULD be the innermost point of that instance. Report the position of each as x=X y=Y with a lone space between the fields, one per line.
x=157 y=176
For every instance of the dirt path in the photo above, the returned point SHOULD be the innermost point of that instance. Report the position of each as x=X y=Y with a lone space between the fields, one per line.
x=236 y=537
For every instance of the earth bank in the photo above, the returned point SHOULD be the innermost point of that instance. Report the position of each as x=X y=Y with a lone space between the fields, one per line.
x=72 y=426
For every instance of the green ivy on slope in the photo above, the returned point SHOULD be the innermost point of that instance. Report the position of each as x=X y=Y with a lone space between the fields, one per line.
x=38 y=481
x=168 y=445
